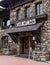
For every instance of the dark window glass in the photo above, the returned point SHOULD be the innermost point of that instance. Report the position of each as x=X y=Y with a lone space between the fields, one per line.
x=39 y=8
x=27 y=12
x=19 y=14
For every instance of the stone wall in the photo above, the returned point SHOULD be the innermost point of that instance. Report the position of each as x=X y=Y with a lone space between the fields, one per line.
x=45 y=36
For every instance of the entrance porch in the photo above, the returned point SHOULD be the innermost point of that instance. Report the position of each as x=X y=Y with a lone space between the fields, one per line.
x=26 y=47
x=26 y=37
x=26 y=43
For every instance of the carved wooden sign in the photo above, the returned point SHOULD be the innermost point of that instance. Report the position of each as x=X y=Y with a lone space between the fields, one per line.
x=28 y=22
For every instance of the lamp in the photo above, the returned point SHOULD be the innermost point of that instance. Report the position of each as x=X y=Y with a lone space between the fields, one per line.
x=33 y=37
x=0 y=0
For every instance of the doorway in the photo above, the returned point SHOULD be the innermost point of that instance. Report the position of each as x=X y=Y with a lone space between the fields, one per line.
x=24 y=45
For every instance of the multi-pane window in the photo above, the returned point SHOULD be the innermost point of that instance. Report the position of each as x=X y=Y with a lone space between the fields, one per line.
x=39 y=8
x=19 y=12
x=27 y=12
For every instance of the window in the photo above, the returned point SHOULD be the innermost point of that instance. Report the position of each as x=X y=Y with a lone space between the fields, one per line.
x=8 y=22
x=39 y=8
x=19 y=14
x=27 y=12
x=5 y=23
x=5 y=41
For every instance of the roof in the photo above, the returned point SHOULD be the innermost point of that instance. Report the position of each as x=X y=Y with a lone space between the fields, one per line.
x=27 y=28
x=12 y=3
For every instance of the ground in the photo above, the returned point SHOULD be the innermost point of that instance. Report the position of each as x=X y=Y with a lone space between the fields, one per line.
x=10 y=60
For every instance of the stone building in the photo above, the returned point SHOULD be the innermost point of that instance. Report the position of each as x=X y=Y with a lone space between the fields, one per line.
x=28 y=29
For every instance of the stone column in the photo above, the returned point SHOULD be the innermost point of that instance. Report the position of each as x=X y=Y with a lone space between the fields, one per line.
x=45 y=32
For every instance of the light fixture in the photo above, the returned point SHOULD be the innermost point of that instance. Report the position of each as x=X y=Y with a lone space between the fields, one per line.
x=33 y=38
x=2 y=7
x=0 y=0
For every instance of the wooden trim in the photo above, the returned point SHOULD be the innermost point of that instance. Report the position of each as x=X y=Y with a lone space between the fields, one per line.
x=33 y=27
x=43 y=16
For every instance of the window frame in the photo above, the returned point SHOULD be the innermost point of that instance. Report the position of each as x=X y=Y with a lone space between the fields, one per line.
x=18 y=12
x=5 y=23
x=29 y=15
x=39 y=12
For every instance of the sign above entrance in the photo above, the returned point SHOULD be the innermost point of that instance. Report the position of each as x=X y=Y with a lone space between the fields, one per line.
x=27 y=22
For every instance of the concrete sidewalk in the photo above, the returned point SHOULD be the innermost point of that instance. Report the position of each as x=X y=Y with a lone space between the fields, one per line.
x=10 y=60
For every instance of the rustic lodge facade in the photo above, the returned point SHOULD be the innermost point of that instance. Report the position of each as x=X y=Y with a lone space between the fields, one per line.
x=25 y=29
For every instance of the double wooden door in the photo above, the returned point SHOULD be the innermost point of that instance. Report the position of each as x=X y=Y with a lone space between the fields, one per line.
x=24 y=45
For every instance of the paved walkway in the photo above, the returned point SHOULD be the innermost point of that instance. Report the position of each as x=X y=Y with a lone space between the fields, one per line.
x=10 y=60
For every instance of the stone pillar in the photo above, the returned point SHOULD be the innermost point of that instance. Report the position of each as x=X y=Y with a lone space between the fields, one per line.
x=48 y=27
x=45 y=32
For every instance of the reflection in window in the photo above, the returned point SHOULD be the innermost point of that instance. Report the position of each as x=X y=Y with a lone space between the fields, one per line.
x=5 y=23
x=27 y=12
x=8 y=23
x=39 y=8
x=19 y=12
